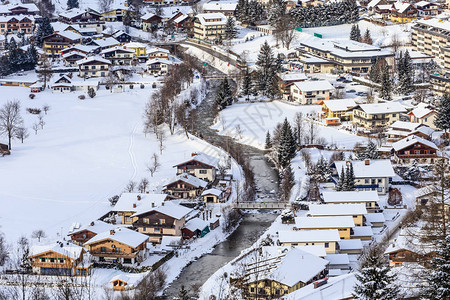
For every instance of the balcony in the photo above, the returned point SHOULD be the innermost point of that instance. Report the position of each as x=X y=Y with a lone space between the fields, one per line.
x=112 y=253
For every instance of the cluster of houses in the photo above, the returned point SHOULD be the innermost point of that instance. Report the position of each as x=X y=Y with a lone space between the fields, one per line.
x=404 y=11
x=140 y=224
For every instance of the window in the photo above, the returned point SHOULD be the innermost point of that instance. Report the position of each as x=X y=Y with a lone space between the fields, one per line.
x=42 y=259
x=61 y=260
x=162 y=221
x=366 y=180
x=146 y=220
x=102 y=249
x=203 y=171
x=157 y=229
x=327 y=245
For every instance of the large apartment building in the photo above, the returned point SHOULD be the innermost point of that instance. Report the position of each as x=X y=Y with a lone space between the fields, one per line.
x=209 y=26
x=432 y=37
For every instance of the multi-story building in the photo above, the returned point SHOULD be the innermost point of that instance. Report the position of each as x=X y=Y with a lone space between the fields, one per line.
x=432 y=37
x=368 y=198
x=19 y=9
x=214 y=6
x=355 y=210
x=403 y=12
x=93 y=66
x=423 y=114
x=440 y=83
x=16 y=24
x=200 y=165
x=209 y=26
x=414 y=148
x=377 y=114
x=83 y=18
x=348 y=56
x=56 y=42
x=118 y=55
x=308 y=92
x=343 y=224
x=326 y=237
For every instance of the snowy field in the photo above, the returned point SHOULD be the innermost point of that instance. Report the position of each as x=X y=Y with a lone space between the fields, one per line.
x=87 y=152
x=249 y=123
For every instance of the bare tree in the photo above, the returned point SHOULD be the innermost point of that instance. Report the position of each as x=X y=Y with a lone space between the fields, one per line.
x=23 y=266
x=46 y=108
x=143 y=185
x=154 y=164
x=182 y=115
x=131 y=186
x=41 y=121
x=151 y=285
x=312 y=132
x=370 y=97
x=161 y=137
x=10 y=120
x=284 y=31
x=4 y=252
x=22 y=133
x=38 y=234
x=45 y=72
x=36 y=127
x=298 y=127
x=104 y=5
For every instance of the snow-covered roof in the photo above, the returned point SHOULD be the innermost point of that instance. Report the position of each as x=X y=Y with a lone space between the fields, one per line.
x=117 y=48
x=64 y=248
x=213 y=191
x=210 y=19
x=157 y=49
x=306 y=236
x=196 y=224
x=148 y=201
x=362 y=231
x=4 y=9
x=382 y=108
x=96 y=227
x=170 y=209
x=411 y=140
x=352 y=244
x=405 y=125
x=122 y=277
x=158 y=60
x=318 y=210
x=339 y=105
x=422 y=110
x=106 y=42
x=95 y=58
x=293 y=76
x=422 y=4
x=324 y=222
x=74 y=12
x=338 y=259
x=83 y=48
x=407 y=241
x=180 y=18
x=69 y=35
x=440 y=24
x=423 y=129
x=189 y=179
x=5 y=19
x=375 y=218
x=148 y=16
x=220 y=5
x=375 y=169
x=425 y=191
x=135 y=45
x=203 y=158
x=69 y=54
x=373 y=3
x=401 y=6
x=122 y=235
x=350 y=196
x=310 y=86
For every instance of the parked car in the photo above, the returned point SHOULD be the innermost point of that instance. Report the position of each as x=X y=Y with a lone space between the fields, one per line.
x=351 y=91
x=346 y=81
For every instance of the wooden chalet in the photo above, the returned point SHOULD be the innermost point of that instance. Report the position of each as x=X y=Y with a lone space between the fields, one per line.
x=150 y=21
x=16 y=24
x=19 y=9
x=71 y=58
x=120 y=282
x=83 y=18
x=62 y=85
x=405 y=248
x=165 y=220
x=403 y=12
x=60 y=258
x=93 y=66
x=185 y=186
x=414 y=148
x=85 y=233
x=199 y=165
x=119 y=55
x=196 y=227
x=53 y=44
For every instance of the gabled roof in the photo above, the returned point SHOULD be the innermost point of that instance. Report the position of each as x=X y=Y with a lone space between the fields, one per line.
x=67 y=249
x=122 y=235
x=213 y=191
x=318 y=85
x=147 y=202
x=411 y=140
x=189 y=179
x=350 y=196
x=204 y=19
x=196 y=224
x=382 y=108
x=422 y=110
x=204 y=159
x=318 y=210
x=71 y=53
x=405 y=125
x=401 y=7
x=220 y=5
x=424 y=130
x=96 y=227
x=148 y=16
x=157 y=49
x=93 y=59
x=352 y=244
x=324 y=222
x=134 y=45
x=376 y=168
x=117 y=48
x=293 y=76
x=158 y=60
x=67 y=34
x=306 y=236
x=106 y=42
x=339 y=105
x=169 y=209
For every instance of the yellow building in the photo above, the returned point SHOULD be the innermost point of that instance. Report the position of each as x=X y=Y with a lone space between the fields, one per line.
x=212 y=195
x=338 y=109
x=377 y=114
x=402 y=12
x=357 y=211
x=140 y=50
x=343 y=224
x=440 y=83
x=209 y=26
x=326 y=237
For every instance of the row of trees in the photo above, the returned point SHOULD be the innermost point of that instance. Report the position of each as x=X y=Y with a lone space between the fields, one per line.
x=355 y=35
x=249 y=12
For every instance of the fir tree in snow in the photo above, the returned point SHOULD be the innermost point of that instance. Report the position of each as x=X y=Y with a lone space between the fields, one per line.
x=355 y=33
x=276 y=10
x=349 y=178
x=323 y=170
x=386 y=87
x=341 y=180
x=91 y=92
x=224 y=95
x=267 y=68
x=442 y=120
x=413 y=172
x=438 y=276
x=286 y=147
x=230 y=29
x=405 y=74
x=367 y=38
x=375 y=279
x=369 y=152
x=247 y=84
x=287 y=182
x=44 y=29
x=249 y=12
x=72 y=4
x=268 y=141
x=183 y=294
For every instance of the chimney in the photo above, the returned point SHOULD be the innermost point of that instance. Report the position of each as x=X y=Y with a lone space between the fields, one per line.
x=92 y=223
x=367 y=162
x=139 y=197
x=111 y=232
x=134 y=205
x=153 y=204
x=162 y=204
x=193 y=154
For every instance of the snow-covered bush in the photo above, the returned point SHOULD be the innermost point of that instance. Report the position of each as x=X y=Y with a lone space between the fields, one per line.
x=142 y=86
x=32 y=96
x=287 y=216
x=82 y=97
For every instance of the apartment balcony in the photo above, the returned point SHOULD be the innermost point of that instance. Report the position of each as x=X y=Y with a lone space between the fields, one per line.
x=114 y=254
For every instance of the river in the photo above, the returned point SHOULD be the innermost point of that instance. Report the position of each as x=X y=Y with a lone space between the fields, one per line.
x=252 y=225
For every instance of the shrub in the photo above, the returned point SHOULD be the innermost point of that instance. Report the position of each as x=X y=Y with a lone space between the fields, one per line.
x=82 y=97
x=34 y=111
x=32 y=96
x=142 y=86
x=91 y=92
x=131 y=86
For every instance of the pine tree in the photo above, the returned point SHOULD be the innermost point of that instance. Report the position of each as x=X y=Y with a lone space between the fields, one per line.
x=286 y=148
x=367 y=37
x=437 y=277
x=224 y=95
x=230 y=30
x=247 y=84
x=72 y=4
x=371 y=151
x=341 y=181
x=268 y=141
x=350 y=178
x=355 y=33
x=287 y=182
x=265 y=62
x=386 y=88
x=375 y=280
x=44 y=29
x=442 y=120
x=405 y=73
x=183 y=294
x=91 y=92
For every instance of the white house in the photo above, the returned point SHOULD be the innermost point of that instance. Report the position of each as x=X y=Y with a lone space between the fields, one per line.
x=158 y=66
x=368 y=198
x=93 y=66
x=209 y=26
x=356 y=211
x=327 y=238
x=308 y=92
x=423 y=114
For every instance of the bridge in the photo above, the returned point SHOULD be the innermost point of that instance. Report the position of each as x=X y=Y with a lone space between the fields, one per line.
x=261 y=205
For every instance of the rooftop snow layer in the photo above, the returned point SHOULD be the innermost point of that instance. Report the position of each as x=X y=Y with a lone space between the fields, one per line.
x=318 y=210
x=350 y=196
x=375 y=169
x=324 y=222
x=306 y=236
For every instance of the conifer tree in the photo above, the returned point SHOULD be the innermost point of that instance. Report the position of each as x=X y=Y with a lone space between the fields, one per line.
x=442 y=120
x=405 y=73
x=286 y=148
x=355 y=33
x=386 y=88
x=367 y=37
x=287 y=182
x=44 y=29
x=91 y=92
x=224 y=95
x=183 y=294
x=72 y=4
x=247 y=84
x=265 y=63
x=230 y=30
x=350 y=178
x=375 y=280
x=341 y=181
x=268 y=141
x=437 y=277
